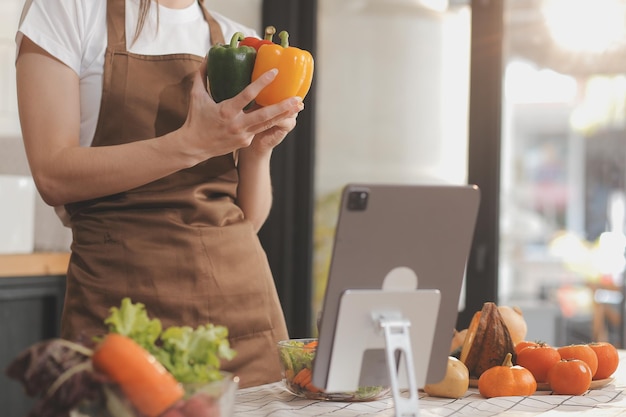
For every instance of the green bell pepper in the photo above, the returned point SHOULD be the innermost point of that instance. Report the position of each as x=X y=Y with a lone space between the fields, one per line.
x=229 y=68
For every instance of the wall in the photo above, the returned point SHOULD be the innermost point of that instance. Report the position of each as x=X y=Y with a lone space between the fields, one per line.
x=247 y=12
x=392 y=94
x=392 y=103
x=50 y=235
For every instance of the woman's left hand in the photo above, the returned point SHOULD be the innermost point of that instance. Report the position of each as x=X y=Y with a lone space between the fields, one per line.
x=271 y=137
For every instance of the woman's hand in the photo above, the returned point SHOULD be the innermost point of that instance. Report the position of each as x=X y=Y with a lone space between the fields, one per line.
x=267 y=140
x=214 y=129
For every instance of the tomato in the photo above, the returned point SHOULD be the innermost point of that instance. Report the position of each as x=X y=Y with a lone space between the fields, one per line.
x=523 y=345
x=608 y=359
x=570 y=377
x=538 y=360
x=582 y=352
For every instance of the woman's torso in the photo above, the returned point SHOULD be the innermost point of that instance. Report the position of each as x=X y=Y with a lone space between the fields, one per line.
x=180 y=245
x=75 y=32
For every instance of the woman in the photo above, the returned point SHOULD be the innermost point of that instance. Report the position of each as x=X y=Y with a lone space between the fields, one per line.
x=164 y=189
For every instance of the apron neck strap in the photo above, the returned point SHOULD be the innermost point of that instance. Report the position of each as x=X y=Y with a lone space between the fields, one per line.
x=116 y=23
x=217 y=37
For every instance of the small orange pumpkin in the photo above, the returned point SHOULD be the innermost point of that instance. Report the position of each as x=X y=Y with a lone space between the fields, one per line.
x=506 y=380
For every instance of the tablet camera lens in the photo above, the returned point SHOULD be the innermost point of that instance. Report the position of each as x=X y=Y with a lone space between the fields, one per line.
x=357 y=200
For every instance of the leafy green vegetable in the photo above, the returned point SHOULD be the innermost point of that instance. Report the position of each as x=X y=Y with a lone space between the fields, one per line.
x=132 y=320
x=194 y=355
x=191 y=355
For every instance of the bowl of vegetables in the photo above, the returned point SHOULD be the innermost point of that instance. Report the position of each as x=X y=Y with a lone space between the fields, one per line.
x=296 y=358
x=136 y=369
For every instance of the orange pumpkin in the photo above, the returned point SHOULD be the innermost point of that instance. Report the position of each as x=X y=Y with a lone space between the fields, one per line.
x=506 y=380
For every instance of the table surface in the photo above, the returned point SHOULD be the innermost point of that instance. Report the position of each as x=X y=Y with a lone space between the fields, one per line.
x=273 y=400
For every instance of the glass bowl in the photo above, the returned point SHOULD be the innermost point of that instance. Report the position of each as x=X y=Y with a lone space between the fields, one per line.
x=222 y=393
x=211 y=399
x=296 y=358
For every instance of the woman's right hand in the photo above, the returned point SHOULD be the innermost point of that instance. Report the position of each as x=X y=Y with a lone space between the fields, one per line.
x=214 y=129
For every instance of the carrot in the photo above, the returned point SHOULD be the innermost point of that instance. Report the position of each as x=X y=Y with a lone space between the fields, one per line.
x=145 y=382
x=306 y=380
x=300 y=376
x=311 y=345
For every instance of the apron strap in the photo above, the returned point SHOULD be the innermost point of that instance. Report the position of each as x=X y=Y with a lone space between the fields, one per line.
x=217 y=37
x=116 y=24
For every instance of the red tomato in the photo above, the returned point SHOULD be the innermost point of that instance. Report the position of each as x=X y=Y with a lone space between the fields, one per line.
x=570 y=377
x=608 y=359
x=523 y=345
x=582 y=352
x=538 y=360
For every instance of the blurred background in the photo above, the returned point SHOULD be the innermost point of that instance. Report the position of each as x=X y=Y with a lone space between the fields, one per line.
x=527 y=99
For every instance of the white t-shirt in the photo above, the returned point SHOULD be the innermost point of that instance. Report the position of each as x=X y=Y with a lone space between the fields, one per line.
x=75 y=32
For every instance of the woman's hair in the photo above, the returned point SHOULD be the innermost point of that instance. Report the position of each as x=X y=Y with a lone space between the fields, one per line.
x=144 y=7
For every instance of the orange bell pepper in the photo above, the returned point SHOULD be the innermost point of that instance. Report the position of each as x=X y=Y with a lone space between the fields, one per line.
x=295 y=71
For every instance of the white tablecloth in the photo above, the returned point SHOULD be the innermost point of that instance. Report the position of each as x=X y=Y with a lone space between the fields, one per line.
x=273 y=400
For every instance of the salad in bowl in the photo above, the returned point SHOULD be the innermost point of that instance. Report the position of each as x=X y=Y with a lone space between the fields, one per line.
x=296 y=358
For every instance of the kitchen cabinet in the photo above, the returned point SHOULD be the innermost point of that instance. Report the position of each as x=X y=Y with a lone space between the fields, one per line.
x=32 y=288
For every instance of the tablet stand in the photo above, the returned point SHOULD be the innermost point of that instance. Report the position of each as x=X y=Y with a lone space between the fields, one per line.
x=381 y=319
x=397 y=338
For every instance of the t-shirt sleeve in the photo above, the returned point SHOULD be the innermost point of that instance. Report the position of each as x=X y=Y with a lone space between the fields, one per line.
x=55 y=26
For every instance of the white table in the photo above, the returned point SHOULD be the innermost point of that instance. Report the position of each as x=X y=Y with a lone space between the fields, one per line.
x=273 y=400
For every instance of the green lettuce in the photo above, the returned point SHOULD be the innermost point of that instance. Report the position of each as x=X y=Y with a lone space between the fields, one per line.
x=132 y=320
x=191 y=355
x=194 y=355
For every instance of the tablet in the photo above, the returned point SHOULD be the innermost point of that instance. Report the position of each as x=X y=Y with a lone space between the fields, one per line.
x=385 y=230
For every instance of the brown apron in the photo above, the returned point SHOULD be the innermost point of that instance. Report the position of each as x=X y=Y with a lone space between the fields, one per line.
x=180 y=244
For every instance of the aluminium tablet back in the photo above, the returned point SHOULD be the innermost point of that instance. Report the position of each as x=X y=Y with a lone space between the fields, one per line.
x=383 y=228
